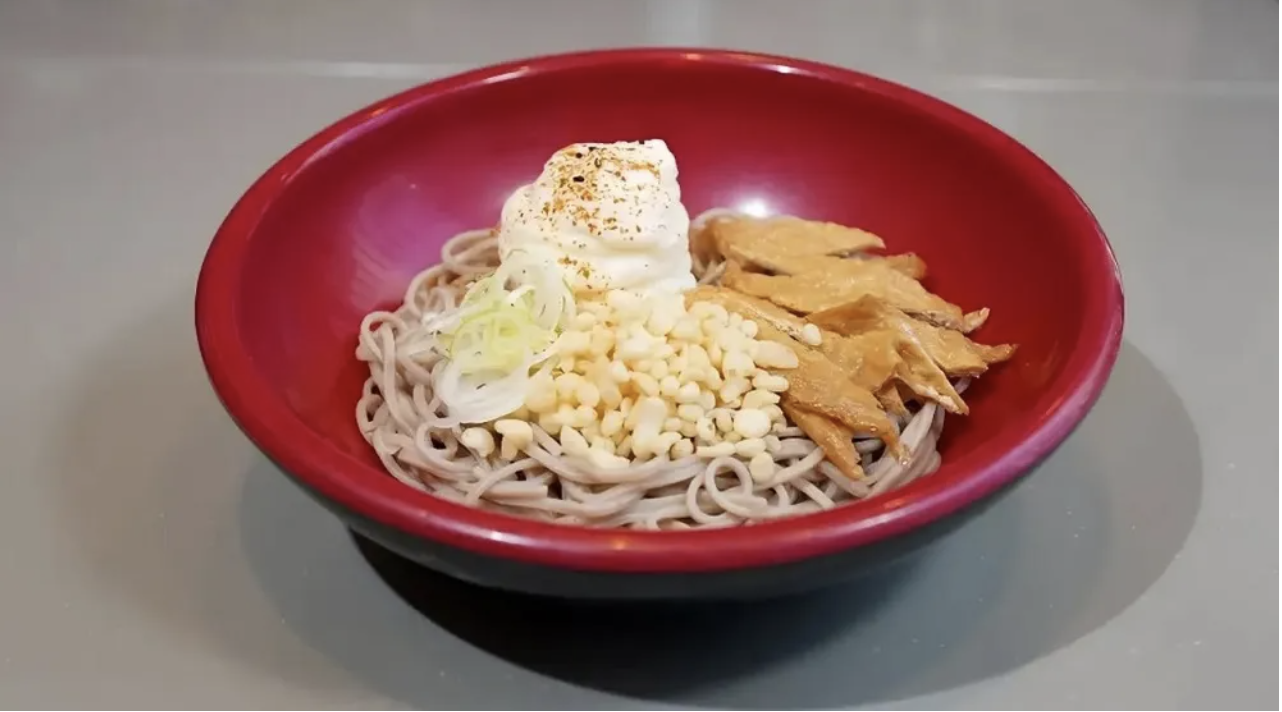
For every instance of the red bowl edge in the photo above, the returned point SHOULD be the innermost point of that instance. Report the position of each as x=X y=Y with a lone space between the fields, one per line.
x=273 y=427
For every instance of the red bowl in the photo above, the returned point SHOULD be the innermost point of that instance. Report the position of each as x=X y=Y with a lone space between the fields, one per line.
x=339 y=226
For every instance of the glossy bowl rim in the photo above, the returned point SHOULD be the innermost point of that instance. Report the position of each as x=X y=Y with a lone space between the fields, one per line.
x=272 y=425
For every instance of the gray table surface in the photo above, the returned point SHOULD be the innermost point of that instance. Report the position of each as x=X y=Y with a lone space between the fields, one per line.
x=151 y=557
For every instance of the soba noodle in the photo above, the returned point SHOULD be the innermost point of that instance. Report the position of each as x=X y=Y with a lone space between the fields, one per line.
x=418 y=443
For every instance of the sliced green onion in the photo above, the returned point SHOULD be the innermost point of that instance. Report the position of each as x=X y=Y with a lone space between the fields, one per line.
x=505 y=325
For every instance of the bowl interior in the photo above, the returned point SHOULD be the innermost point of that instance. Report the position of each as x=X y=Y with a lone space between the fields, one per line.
x=351 y=225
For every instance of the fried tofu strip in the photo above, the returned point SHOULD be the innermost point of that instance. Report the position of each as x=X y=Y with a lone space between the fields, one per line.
x=703 y=244
x=869 y=359
x=874 y=358
x=974 y=320
x=814 y=292
x=764 y=241
x=909 y=264
x=816 y=384
x=891 y=399
x=835 y=439
x=757 y=310
x=956 y=354
x=923 y=377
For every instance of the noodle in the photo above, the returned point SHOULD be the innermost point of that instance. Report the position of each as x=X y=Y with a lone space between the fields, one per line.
x=418 y=442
